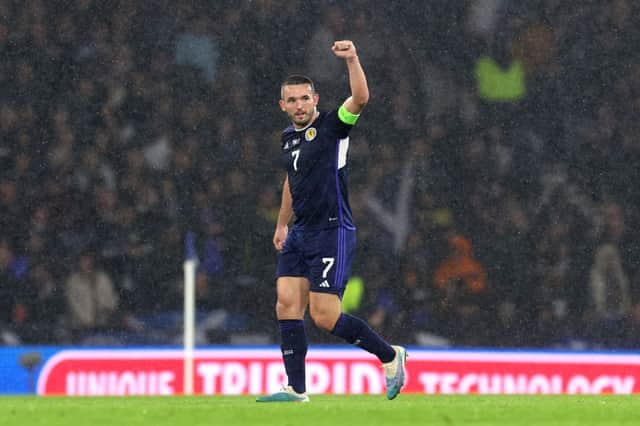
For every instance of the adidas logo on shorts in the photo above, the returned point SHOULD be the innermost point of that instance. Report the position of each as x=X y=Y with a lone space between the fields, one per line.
x=325 y=284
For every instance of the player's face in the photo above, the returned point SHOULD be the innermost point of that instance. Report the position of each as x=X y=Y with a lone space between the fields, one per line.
x=299 y=102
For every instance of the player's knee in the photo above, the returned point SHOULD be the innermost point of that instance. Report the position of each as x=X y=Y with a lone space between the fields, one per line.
x=324 y=320
x=288 y=309
x=282 y=309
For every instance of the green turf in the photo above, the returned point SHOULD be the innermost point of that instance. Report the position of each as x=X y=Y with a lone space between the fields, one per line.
x=323 y=410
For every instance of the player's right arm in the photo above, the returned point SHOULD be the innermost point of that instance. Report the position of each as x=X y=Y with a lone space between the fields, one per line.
x=354 y=105
x=286 y=212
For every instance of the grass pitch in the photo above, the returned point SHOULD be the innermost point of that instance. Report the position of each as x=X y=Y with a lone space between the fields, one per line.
x=323 y=410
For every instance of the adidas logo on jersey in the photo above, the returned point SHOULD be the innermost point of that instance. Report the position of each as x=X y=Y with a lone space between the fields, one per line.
x=325 y=284
x=291 y=143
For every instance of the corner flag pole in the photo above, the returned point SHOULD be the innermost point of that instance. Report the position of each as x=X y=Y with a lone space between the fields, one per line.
x=189 y=265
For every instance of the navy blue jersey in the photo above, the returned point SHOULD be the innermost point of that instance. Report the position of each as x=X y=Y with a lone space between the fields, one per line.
x=316 y=158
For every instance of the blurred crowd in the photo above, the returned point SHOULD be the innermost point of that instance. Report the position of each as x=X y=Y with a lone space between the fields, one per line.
x=492 y=174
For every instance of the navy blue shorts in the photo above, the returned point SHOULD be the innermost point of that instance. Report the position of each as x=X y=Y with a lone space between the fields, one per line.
x=324 y=257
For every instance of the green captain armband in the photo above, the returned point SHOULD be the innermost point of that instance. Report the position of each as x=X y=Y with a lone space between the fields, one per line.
x=346 y=117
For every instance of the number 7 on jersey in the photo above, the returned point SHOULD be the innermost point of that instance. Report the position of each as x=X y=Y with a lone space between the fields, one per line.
x=295 y=154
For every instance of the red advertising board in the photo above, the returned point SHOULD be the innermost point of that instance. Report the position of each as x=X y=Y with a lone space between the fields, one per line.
x=337 y=371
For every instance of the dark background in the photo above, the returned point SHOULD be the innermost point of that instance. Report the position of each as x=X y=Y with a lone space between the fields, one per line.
x=509 y=223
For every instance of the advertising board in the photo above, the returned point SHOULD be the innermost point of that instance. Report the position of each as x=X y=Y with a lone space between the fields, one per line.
x=230 y=371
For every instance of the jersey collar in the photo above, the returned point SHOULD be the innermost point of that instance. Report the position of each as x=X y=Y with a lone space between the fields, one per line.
x=308 y=125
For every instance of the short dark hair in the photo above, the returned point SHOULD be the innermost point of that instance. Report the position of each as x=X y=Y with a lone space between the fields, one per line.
x=295 y=79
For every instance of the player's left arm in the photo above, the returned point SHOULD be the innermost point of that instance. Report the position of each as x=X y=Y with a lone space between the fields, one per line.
x=357 y=81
